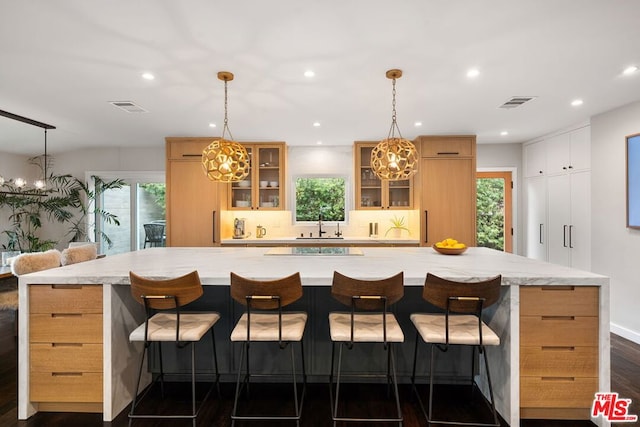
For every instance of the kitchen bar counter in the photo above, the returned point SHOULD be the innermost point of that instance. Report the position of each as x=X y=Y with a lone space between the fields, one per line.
x=325 y=241
x=214 y=265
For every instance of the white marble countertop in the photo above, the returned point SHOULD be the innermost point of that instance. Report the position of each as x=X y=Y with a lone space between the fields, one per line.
x=324 y=241
x=214 y=265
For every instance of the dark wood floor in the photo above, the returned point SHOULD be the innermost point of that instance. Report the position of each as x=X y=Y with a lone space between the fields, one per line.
x=625 y=379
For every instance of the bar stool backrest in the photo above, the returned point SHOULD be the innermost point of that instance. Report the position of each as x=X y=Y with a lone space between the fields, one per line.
x=289 y=289
x=344 y=288
x=185 y=289
x=438 y=292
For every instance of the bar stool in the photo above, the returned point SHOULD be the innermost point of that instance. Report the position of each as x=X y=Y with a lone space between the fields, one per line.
x=368 y=322
x=265 y=321
x=166 y=322
x=460 y=324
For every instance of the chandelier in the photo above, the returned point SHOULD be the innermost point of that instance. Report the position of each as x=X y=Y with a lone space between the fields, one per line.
x=394 y=158
x=225 y=160
x=18 y=186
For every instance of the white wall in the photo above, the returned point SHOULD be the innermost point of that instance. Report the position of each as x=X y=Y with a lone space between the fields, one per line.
x=615 y=248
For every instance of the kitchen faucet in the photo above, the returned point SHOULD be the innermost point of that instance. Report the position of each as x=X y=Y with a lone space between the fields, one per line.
x=320 y=231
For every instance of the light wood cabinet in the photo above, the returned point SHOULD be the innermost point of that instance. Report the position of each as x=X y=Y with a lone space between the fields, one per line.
x=193 y=201
x=374 y=193
x=558 y=351
x=264 y=187
x=447 y=180
x=66 y=347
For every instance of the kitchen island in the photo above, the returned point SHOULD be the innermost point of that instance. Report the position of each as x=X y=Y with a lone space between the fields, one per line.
x=119 y=314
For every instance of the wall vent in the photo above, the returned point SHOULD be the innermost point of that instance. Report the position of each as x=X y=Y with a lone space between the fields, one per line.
x=128 y=106
x=517 y=101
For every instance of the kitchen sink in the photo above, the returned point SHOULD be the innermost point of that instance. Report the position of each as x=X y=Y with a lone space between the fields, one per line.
x=315 y=251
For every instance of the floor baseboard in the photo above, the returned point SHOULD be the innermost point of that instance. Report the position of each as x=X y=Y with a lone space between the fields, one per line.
x=625 y=333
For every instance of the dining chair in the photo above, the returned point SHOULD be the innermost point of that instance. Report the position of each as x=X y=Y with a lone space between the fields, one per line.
x=368 y=321
x=154 y=234
x=459 y=323
x=167 y=322
x=264 y=320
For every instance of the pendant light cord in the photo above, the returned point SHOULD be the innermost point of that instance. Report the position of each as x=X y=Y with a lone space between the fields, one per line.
x=225 y=128
x=45 y=159
x=394 y=124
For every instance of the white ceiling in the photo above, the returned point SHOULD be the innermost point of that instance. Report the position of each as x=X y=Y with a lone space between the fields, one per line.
x=61 y=62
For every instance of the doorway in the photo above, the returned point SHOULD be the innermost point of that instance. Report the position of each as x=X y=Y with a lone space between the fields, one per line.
x=140 y=201
x=494 y=210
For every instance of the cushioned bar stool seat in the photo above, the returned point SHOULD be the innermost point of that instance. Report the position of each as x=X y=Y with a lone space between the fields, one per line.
x=368 y=321
x=460 y=323
x=265 y=321
x=166 y=322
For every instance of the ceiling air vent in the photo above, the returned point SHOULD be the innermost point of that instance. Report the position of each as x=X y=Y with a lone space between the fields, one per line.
x=128 y=106
x=517 y=101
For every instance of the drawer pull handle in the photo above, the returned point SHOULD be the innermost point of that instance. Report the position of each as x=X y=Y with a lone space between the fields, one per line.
x=192 y=155
x=444 y=153
x=66 y=286
x=66 y=374
x=558 y=317
x=54 y=315
x=558 y=288
x=557 y=378
x=65 y=344
x=568 y=348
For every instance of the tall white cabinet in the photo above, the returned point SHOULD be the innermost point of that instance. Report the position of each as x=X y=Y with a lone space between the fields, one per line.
x=558 y=199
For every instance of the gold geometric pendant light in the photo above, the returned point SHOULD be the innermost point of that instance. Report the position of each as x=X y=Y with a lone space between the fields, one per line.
x=225 y=160
x=394 y=158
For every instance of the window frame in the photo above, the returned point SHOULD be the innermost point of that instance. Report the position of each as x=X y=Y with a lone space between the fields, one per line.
x=347 y=196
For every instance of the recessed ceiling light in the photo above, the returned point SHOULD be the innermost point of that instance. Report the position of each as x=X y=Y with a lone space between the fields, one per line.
x=504 y=133
x=630 y=70
x=576 y=102
x=309 y=73
x=212 y=125
x=148 y=76
x=417 y=124
x=319 y=142
x=316 y=124
x=473 y=73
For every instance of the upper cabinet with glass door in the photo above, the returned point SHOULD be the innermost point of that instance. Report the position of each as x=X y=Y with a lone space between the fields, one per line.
x=263 y=188
x=373 y=193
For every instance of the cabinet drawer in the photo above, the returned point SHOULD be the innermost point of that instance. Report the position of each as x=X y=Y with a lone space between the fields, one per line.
x=559 y=361
x=188 y=149
x=66 y=386
x=559 y=300
x=66 y=357
x=65 y=328
x=557 y=392
x=558 y=331
x=65 y=299
x=447 y=147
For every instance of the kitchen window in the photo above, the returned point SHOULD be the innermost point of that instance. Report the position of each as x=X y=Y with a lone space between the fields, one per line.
x=315 y=196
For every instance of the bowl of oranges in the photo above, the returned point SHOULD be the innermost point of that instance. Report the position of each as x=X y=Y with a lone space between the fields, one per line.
x=449 y=247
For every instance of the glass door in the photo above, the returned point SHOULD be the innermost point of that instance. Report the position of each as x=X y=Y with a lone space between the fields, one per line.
x=140 y=201
x=370 y=185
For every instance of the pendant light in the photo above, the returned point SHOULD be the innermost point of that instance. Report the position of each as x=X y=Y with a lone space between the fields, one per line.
x=225 y=160
x=394 y=158
x=18 y=186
